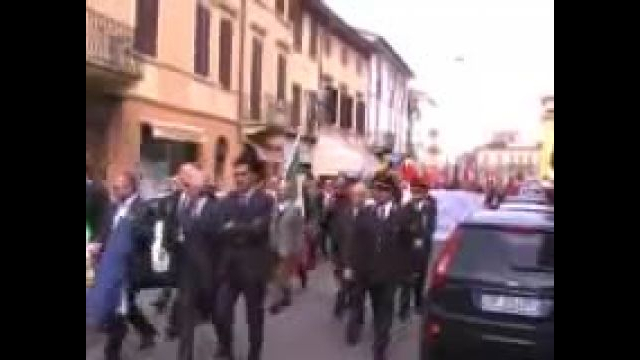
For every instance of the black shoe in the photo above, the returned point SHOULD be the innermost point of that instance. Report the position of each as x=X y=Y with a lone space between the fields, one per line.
x=112 y=356
x=224 y=353
x=278 y=306
x=379 y=356
x=353 y=335
x=404 y=315
x=147 y=341
x=254 y=355
x=339 y=307
x=303 y=280
x=171 y=333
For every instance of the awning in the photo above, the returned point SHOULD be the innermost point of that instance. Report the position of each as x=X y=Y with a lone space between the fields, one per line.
x=332 y=155
x=176 y=132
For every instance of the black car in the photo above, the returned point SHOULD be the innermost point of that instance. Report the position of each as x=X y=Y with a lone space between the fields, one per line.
x=491 y=294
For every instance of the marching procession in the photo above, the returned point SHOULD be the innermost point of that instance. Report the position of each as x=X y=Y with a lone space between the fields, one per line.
x=204 y=249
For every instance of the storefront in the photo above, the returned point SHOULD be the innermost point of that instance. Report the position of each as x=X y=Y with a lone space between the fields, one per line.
x=154 y=140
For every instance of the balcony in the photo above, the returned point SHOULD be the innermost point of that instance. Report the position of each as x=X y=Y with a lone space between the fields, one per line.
x=109 y=45
x=266 y=116
x=382 y=142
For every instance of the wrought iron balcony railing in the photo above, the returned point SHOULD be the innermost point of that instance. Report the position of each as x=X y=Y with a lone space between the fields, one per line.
x=110 y=44
x=266 y=110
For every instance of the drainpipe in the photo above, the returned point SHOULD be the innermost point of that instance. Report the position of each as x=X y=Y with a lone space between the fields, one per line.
x=243 y=23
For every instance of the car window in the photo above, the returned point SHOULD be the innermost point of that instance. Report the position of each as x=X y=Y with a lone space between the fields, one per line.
x=495 y=251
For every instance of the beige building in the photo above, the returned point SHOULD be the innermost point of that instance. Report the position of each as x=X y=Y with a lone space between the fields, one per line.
x=501 y=161
x=190 y=80
x=161 y=87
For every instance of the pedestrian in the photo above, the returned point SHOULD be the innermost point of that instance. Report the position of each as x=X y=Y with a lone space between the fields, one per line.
x=339 y=220
x=247 y=259
x=286 y=236
x=418 y=219
x=167 y=213
x=372 y=258
x=97 y=203
x=200 y=253
x=112 y=301
x=313 y=213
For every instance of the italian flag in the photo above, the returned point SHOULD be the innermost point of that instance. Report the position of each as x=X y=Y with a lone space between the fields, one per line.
x=293 y=171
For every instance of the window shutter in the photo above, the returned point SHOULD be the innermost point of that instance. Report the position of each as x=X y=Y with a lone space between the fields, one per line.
x=226 y=52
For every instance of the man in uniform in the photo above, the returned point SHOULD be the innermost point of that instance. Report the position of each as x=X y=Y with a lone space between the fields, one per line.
x=371 y=263
x=418 y=218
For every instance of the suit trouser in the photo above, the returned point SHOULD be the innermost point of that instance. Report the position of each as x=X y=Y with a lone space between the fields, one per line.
x=413 y=284
x=117 y=326
x=192 y=308
x=382 y=294
x=254 y=291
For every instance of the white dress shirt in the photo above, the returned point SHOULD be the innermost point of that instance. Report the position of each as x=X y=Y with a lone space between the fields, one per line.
x=123 y=209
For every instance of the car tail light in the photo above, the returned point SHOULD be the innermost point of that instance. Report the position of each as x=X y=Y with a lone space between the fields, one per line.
x=443 y=262
x=432 y=330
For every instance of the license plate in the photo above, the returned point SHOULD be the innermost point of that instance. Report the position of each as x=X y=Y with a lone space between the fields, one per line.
x=512 y=305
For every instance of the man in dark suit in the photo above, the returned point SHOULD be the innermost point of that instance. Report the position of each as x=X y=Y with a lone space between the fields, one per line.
x=340 y=223
x=372 y=264
x=168 y=209
x=200 y=248
x=418 y=218
x=97 y=203
x=247 y=260
x=128 y=204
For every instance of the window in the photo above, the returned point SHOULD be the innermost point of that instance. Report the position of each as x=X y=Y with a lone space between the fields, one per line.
x=294 y=10
x=360 y=117
x=146 y=32
x=332 y=105
x=226 y=52
x=280 y=7
x=313 y=39
x=327 y=45
x=359 y=65
x=346 y=107
x=256 y=79
x=345 y=55
x=220 y=158
x=201 y=58
x=311 y=112
x=296 y=18
x=282 y=77
x=296 y=105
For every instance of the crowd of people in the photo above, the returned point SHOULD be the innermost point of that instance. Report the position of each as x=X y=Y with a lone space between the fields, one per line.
x=265 y=230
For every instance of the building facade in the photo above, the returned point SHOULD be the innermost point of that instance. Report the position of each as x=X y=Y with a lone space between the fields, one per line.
x=501 y=162
x=388 y=94
x=546 y=151
x=161 y=88
x=191 y=80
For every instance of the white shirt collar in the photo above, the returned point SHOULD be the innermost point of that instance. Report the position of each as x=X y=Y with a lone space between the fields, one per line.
x=123 y=209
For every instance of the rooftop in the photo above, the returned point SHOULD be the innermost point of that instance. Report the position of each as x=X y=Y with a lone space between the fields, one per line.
x=337 y=25
x=380 y=44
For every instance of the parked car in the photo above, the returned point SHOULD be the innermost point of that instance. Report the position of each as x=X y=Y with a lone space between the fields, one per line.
x=514 y=206
x=491 y=291
x=539 y=199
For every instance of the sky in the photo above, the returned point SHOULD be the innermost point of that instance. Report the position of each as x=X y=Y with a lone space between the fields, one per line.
x=507 y=48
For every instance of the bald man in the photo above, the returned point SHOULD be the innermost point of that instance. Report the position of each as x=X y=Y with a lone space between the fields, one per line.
x=127 y=209
x=197 y=284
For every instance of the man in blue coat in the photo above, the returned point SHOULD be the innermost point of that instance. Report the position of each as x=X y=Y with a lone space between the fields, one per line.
x=111 y=302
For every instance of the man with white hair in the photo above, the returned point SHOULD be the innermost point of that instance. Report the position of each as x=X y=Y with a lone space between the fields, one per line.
x=197 y=285
x=286 y=235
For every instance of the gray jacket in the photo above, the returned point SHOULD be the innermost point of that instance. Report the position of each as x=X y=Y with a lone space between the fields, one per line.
x=287 y=229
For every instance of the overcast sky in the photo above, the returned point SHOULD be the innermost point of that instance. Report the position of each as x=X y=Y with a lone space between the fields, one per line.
x=507 y=46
